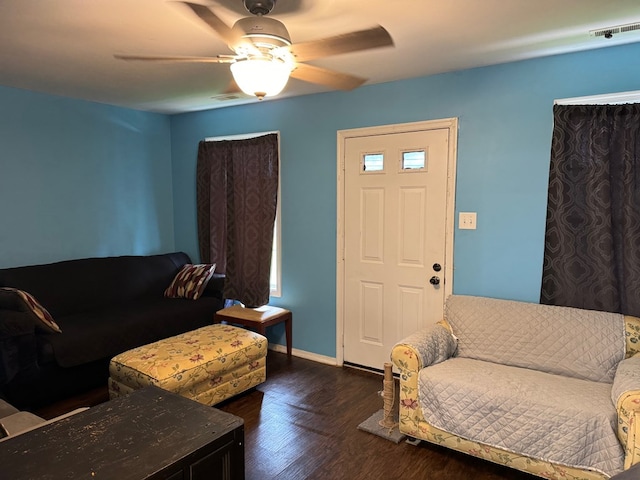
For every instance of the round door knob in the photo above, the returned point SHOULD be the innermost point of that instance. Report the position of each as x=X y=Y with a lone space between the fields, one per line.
x=434 y=280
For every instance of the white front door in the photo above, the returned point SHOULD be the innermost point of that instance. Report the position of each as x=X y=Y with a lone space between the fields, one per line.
x=396 y=204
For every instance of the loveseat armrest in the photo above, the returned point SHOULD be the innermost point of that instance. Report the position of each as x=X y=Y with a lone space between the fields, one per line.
x=625 y=394
x=425 y=347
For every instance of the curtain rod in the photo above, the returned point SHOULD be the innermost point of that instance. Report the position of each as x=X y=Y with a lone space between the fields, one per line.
x=240 y=136
x=603 y=99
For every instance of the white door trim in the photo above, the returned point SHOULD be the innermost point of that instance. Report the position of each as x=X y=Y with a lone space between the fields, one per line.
x=449 y=123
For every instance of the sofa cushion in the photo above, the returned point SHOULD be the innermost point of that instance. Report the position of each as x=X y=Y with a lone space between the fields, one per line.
x=562 y=340
x=88 y=284
x=21 y=301
x=564 y=420
x=91 y=336
x=190 y=281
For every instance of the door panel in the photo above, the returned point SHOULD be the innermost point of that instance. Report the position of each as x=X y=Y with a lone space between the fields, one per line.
x=395 y=218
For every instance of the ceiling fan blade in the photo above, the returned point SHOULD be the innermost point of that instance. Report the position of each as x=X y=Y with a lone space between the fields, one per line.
x=177 y=59
x=345 y=43
x=205 y=14
x=329 y=78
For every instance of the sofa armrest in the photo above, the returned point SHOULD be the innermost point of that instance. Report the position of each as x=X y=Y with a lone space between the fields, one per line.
x=14 y=323
x=429 y=346
x=17 y=344
x=23 y=422
x=425 y=347
x=215 y=286
x=625 y=394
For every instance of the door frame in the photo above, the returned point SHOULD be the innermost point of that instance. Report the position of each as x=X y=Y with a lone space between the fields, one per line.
x=447 y=123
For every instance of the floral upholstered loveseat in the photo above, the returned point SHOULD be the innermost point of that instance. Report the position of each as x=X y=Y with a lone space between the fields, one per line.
x=553 y=391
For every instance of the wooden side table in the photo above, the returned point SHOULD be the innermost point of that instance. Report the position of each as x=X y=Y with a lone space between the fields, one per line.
x=258 y=318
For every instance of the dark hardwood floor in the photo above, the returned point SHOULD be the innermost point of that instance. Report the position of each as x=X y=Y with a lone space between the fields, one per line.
x=302 y=424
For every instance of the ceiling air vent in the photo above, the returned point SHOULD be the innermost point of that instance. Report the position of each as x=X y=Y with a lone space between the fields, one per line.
x=225 y=97
x=611 y=31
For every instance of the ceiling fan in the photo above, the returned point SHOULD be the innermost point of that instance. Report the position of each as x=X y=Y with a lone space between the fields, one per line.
x=265 y=57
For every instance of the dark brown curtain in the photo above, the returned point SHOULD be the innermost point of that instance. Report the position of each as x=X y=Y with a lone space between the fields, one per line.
x=592 y=241
x=237 y=188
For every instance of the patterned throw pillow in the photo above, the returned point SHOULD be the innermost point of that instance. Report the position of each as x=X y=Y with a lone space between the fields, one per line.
x=26 y=302
x=190 y=281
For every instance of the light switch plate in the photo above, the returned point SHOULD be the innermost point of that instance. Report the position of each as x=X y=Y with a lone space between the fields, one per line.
x=467 y=221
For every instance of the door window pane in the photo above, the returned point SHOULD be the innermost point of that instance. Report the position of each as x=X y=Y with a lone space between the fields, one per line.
x=373 y=162
x=413 y=160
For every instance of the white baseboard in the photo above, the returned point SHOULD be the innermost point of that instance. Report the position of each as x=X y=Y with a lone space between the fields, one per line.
x=315 y=357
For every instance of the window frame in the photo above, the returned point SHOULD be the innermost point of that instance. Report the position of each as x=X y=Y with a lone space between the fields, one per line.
x=275 y=289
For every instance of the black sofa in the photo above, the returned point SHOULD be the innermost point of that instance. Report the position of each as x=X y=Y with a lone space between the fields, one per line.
x=104 y=306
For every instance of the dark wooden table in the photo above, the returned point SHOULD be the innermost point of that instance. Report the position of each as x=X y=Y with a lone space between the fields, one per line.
x=148 y=434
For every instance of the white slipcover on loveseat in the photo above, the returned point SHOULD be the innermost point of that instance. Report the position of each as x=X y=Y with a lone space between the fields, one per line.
x=553 y=391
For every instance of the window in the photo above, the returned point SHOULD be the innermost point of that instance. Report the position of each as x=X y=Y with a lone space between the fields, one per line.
x=409 y=160
x=373 y=162
x=413 y=160
x=275 y=278
x=592 y=233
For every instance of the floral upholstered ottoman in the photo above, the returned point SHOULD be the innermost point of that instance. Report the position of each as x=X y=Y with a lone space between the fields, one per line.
x=208 y=365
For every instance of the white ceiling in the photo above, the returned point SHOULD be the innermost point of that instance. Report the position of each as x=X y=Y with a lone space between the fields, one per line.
x=66 y=47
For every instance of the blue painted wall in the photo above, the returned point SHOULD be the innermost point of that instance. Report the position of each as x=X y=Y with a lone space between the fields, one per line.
x=83 y=179
x=80 y=179
x=504 y=142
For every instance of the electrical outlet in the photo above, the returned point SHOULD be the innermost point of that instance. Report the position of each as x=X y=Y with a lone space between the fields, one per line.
x=467 y=221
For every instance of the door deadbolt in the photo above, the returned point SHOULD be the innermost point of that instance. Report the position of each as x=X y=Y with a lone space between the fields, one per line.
x=436 y=267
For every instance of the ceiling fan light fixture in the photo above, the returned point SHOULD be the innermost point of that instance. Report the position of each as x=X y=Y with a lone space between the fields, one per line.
x=264 y=56
x=262 y=77
x=260 y=30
